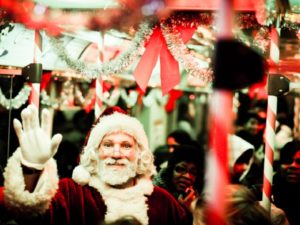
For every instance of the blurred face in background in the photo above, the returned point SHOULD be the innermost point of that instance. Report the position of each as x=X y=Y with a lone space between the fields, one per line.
x=184 y=175
x=290 y=169
x=254 y=126
x=241 y=165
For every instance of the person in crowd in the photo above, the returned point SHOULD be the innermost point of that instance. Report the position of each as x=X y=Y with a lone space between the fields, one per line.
x=183 y=176
x=240 y=158
x=241 y=208
x=162 y=153
x=286 y=182
x=247 y=174
x=178 y=137
x=113 y=178
x=253 y=127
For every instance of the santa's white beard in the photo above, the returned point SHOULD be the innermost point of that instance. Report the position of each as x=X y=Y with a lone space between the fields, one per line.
x=116 y=176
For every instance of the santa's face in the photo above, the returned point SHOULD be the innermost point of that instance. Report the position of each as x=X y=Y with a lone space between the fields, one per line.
x=118 y=158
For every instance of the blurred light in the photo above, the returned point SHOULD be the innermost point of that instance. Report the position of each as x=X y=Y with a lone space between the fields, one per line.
x=192 y=97
x=106 y=94
x=152 y=7
x=39 y=9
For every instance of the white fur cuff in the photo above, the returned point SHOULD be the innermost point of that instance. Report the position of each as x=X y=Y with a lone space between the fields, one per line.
x=22 y=201
x=31 y=165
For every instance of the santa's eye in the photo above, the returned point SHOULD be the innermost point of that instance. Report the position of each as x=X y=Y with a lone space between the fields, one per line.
x=107 y=144
x=126 y=145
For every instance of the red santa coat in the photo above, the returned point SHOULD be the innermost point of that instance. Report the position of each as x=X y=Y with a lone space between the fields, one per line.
x=77 y=205
x=68 y=203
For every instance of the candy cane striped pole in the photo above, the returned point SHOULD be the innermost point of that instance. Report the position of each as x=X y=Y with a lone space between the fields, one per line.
x=296 y=116
x=217 y=175
x=37 y=59
x=269 y=151
x=99 y=81
x=99 y=96
x=220 y=122
x=274 y=46
x=270 y=126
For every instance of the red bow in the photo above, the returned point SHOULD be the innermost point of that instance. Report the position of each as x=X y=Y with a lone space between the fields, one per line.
x=169 y=68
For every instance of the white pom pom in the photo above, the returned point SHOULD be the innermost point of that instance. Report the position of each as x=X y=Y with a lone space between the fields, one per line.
x=81 y=175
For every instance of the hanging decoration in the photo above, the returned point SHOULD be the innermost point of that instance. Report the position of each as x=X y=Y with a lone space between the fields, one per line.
x=17 y=101
x=67 y=93
x=172 y=30
x=174 y=95
x=111 y=99
x=292 y=21
x=129 y=99
x=266 y=11
x=128 y=14
x=54 y=20
x=262 y=40
x=115 y=66
x=246 y=21
x=154 y=96
x=158 y=46
x=80 y=100
x=177 y=47
x=70 y=95
x=47 y=101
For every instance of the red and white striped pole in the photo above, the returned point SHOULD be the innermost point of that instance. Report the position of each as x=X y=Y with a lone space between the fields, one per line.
x=217 y=174
x=220 y=123
x=236 y=66
x=99 y=96
x=99 y=81
x=37 y=59
x=269 y=151
x=270 y=125
x=296 y=130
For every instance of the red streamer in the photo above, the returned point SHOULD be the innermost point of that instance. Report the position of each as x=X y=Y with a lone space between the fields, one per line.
x=173 y=96
x=169 y=68
x=46 y=77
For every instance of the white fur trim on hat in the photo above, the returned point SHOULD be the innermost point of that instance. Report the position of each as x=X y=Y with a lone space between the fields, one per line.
x=118 y=122
x=108 y=124
x=21 y=201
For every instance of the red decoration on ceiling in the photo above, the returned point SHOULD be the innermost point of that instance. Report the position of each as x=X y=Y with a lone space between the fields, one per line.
x=169 y=68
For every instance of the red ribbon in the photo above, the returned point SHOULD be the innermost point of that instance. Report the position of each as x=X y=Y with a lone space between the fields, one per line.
x=173 y=96
x=45 y=80
x=140 y=95
x=169 y=68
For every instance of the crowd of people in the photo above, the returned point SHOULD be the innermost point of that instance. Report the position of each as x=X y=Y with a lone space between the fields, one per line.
x=118 y=179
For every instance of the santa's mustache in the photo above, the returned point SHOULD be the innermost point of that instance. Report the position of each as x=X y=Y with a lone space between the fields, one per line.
x=111 y=161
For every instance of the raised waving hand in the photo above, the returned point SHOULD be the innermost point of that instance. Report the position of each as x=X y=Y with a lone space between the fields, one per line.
x=37 y=147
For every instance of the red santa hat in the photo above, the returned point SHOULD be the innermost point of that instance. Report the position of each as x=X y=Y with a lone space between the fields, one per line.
x=113 y=120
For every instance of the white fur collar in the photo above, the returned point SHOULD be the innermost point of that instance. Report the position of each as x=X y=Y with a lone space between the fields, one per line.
x=118 y=200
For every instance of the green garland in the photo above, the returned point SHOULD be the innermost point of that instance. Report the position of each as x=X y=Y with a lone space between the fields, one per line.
x=115 y=66
x=17 y=101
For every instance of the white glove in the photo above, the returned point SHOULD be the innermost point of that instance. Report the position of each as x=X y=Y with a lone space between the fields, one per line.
x=36 y=145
